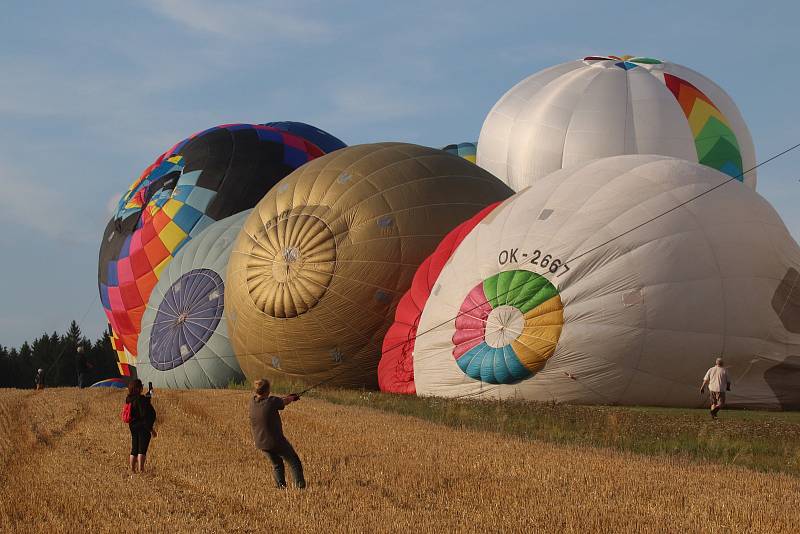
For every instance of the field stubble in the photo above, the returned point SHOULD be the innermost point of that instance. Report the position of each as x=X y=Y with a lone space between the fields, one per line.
x=765 y=441
x=63 y=455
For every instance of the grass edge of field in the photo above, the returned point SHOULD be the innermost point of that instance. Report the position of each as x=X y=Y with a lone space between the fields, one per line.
x=670 y=432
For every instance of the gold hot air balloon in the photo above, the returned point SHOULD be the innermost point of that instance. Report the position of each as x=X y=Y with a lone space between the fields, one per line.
x=319 y=266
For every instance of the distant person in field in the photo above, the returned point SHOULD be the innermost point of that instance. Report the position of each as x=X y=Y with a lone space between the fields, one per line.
x=265 y=422
x=40 y=379
x=83 y=366
x=142 y=424
x=717 y=381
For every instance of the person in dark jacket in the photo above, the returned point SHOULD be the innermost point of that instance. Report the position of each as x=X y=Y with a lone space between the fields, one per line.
x=142 y=425
x=265 y=423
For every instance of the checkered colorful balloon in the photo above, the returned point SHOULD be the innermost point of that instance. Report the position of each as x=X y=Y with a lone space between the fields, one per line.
x=204 y=178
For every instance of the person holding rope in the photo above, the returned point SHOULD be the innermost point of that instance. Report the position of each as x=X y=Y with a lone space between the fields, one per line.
x=141 y=418
x=267 y=429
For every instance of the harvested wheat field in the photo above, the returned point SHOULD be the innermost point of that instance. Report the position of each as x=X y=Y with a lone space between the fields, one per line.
x=63 y=455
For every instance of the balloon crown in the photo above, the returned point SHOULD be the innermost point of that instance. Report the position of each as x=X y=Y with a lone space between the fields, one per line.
x=626 y=62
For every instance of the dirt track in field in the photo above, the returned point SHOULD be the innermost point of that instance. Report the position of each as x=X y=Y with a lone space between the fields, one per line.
x=63 y=456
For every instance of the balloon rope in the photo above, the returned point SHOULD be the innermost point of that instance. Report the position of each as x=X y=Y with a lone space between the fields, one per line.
x=64 y=349
x=732 y=178
x=772 y=158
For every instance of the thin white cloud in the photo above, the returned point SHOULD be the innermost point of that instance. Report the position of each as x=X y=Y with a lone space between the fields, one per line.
x=131 y=104
x=353 y=109
x=248 y=20
x=112 y=203
x=373 y=102
x=123 y=110
x=30 y=204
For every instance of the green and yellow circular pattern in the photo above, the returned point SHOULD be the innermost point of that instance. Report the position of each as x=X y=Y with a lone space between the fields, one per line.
x=507 y=327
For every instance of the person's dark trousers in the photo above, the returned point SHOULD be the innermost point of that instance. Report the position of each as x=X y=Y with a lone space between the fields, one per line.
x=140 y=438
x=277 y=455
x=81 y=380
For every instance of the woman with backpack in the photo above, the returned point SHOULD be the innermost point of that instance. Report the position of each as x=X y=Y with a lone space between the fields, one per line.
x=140 y=415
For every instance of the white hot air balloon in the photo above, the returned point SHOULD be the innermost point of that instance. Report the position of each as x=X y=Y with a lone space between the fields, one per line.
x=562 y=293
x=184 y=341
x=608 y=106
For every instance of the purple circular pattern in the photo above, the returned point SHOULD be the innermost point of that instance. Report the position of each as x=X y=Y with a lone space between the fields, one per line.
x=187 y=317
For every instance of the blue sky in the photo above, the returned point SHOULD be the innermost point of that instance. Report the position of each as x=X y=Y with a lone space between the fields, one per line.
x=92 y=91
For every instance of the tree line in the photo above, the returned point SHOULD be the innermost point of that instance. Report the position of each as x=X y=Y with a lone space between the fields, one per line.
x=57 y=355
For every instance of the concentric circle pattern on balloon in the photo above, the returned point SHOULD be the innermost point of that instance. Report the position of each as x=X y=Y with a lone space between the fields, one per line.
x=187 y=317
x=291 y=258
x=507 y=327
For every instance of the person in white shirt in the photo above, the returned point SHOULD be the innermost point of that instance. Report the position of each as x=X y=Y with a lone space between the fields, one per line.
x=718 y=383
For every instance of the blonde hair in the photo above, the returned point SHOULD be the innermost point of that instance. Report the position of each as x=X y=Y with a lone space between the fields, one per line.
x=261 y=386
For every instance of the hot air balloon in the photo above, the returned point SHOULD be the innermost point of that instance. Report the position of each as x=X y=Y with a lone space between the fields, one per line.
x=114 y=383
x=207 y=177
x=319 y=266
x=184 y=341
x=463 y=150
x=599 y=285
x=612 y=105
x=396 y=367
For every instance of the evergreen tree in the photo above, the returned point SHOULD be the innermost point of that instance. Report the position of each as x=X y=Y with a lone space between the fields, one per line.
x=56 y=354
x=74 y=334
x=104 y=358
x=6 y=369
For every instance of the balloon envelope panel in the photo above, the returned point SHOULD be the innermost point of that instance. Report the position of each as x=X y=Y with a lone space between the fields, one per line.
x=325 y=141
x=612 y=105
x=396 y=368
x=320 y=265
x=125 y=362
x=207 y=177
x=631 y=317
x=463 y=150
x=184 y=341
